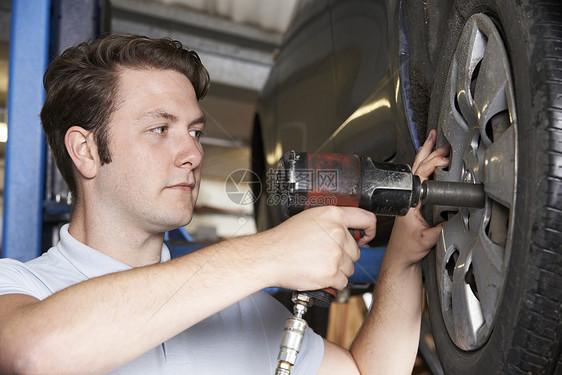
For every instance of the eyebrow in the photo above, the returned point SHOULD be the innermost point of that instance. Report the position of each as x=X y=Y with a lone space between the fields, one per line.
x=159 y=114
x=199 y=120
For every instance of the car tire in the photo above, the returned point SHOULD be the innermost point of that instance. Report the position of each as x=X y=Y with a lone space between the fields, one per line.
x=494 y=281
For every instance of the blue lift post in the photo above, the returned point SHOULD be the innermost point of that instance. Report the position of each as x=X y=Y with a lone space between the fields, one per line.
x=25 y=149
x=40 y=30
x=72 y=22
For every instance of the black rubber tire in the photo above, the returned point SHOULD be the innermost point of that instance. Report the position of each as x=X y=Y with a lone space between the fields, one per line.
x=527 y=331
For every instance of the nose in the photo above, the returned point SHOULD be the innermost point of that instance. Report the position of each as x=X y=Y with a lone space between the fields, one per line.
x=190 y=153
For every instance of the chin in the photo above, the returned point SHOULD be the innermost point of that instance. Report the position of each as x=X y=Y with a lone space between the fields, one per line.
x=167 y=223
x=181 y=221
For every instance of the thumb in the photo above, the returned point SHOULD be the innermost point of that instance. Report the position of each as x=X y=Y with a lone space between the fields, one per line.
x=430 y=236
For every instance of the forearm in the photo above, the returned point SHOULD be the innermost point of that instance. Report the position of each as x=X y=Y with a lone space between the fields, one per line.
x=105 y=322
x=388 y=341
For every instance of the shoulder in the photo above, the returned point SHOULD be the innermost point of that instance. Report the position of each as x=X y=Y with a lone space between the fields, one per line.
x=39 y=277
x=19 y=278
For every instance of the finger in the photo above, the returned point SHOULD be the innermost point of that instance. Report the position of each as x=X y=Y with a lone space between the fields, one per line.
x=426 y=169
x=439 y=153
x=425 y=149
x=352 y=249
x=430 y=236
x=340 y=281
x=360 y=219
x=443 y=150
x=437 y=158
x=346 y=265
x=365 y=239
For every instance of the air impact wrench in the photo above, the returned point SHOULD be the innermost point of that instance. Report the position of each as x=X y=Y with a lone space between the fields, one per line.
x=304 y=180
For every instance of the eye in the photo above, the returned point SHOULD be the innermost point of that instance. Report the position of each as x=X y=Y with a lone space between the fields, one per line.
x=197 y=134
x=160 y=130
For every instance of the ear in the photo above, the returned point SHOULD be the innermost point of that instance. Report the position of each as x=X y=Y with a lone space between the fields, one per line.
x=82 y=148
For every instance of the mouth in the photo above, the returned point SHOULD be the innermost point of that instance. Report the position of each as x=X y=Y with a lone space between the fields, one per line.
x=183 y=186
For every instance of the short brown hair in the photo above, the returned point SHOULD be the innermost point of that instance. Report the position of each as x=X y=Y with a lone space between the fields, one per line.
x=81 y=87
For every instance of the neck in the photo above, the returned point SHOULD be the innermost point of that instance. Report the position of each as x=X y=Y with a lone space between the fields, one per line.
x=126 y=244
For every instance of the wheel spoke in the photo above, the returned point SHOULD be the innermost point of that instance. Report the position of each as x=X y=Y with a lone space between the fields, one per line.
x=466 y=309
x=453 y=236
x=499 y=180
x=455 y=131
x=451 y=120
x=489 y=94
x=469 y=53
x=488 y=273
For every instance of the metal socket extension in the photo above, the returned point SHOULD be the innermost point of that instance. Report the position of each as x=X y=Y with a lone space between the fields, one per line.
x=456 y=194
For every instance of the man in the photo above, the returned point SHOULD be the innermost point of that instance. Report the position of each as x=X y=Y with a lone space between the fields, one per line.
x=122 y=117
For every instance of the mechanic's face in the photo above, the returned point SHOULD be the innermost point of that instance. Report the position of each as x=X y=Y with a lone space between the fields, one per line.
x=153 y=178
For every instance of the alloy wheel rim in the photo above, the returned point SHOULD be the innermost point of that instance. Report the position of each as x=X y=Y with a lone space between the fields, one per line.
x=478 y=119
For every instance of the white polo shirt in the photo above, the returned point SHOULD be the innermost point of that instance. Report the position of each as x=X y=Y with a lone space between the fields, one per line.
x=241 y=339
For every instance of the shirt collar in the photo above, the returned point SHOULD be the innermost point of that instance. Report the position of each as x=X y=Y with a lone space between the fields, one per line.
x=90 y=262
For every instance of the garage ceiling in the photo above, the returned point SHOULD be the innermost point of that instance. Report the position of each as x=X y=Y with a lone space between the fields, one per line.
x=236 y=40
x=271 y=15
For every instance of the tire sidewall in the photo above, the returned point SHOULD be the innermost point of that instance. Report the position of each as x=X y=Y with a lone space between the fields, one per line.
x=492 y=357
